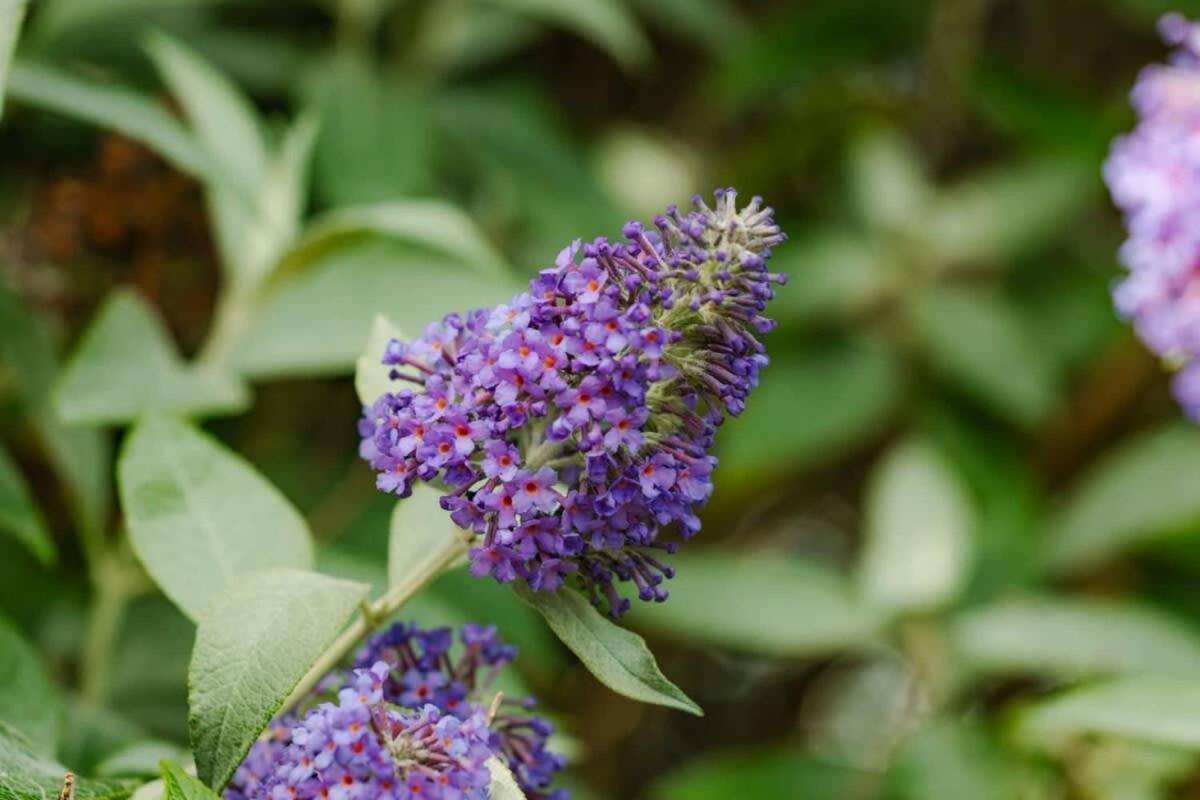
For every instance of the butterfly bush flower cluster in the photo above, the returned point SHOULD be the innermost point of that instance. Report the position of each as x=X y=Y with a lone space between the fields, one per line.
x=415 y=721
x=424 y=670
x=568 y=426
x=361 y=748
x=1154 y=176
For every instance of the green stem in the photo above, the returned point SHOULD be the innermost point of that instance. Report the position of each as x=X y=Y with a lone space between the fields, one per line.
x=235 y=311
x=110 y=602
x=371 y=616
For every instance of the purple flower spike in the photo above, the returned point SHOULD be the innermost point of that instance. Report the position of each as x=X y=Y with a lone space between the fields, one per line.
x=1154 y=177
x=572 y=424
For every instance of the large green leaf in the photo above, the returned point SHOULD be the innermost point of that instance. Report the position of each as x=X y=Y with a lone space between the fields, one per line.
x=250 y=233
x=26 y=776
x=809 y=405
x=1057 y=635
x=125 y=365
x=223 y=119
x=760 y=603
x=980 y=343
x=12 y=14
x=430 y=223
x=178 y=785
x=618 y=658
x=421 y=533
x=1163 y=710
x=19 y=515
x=1144 y=489
x=198 y=515
x=919 y=528
x=340 y=296
x=252 y=647
x=28 y=700
x=377 y=140
x=607 y=23
x=137 y=116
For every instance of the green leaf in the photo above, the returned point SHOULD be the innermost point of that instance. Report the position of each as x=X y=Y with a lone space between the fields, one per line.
x=371 y=380
x=125 y=365
x=1143 y=490
x=430 y=223
x=338 y=298
x=19 y=515
x=606 y=23
x=198 y=515
x=843 y=275
x=28 y=700
x=775 y=773
x=267 y=234
x=140 y=759
x=1001 y=215
x=26 y=776
x=377 y=140
x=919 y=527
x=956 y=760
x=1061 y=636
x=225 y=123
x=754 y=603
x=888 y=182
x=979 y=342
x=618 y=658
x=137 y=116
x=148 y=675
x=178 y=785
x=503 y=785
x=810 y=405
x=421 y=533
x=12 y=14
x=252 y=647
x=1158 y=709
x=222 y=118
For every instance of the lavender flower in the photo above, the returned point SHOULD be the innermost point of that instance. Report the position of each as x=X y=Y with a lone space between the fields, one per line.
x=423 y=669
x=1154 y=176
x=571 y=424
x=362 y=749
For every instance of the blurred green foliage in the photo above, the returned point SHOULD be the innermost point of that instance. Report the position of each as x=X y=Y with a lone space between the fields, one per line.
x=953 y=547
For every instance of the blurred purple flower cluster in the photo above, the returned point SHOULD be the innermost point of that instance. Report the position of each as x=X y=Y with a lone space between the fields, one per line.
x=412 y=722
x=571 y=424
x=1154 y=176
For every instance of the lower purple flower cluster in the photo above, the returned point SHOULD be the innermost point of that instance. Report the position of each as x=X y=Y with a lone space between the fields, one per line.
x=411 y=723
x=1154 y=176
x=570 y=425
